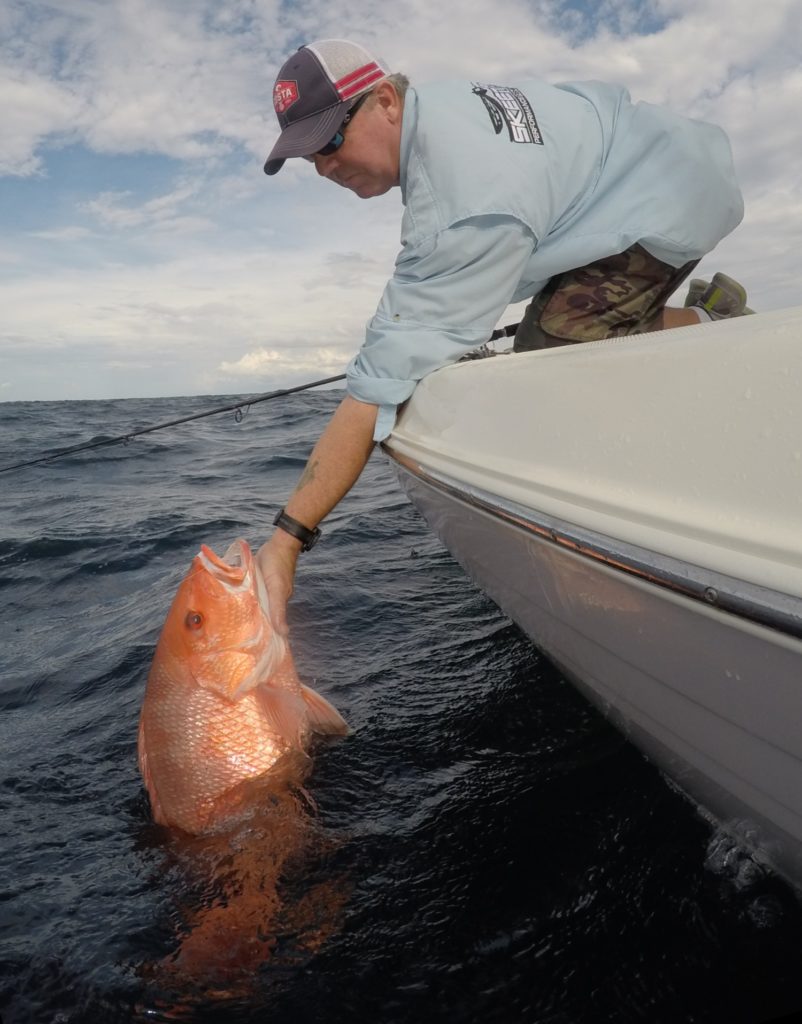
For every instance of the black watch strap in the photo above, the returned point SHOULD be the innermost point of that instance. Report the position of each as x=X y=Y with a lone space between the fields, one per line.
x=307 y=537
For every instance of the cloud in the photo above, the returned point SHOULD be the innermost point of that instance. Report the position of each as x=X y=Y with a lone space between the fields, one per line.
x=68 y=233
x=142 y=244
x=34 y=109
x=192 y=81
x=186 y=80
x=123 y=210
x=194 y=314
x=263 y=361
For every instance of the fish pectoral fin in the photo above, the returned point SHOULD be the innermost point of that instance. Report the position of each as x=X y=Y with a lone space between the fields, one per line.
x=285 y=712
x=225 y=673
x=323 y=717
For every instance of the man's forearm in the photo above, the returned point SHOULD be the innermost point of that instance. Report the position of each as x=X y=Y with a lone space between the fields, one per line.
x=335 y=463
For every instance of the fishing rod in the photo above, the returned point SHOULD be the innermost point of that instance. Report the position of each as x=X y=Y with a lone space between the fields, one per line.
x=236 y=408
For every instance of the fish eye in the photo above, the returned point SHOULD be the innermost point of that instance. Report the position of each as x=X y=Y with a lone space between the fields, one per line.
x=193 y=620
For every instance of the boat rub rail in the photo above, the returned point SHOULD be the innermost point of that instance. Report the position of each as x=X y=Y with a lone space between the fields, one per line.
x=762 y=605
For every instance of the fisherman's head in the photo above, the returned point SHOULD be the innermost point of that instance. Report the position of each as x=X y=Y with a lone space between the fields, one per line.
x=341 y=108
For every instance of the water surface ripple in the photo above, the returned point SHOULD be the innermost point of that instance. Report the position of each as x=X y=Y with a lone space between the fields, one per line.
x=508 y=856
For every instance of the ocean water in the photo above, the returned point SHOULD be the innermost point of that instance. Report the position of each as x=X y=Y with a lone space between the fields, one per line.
x=501 y=854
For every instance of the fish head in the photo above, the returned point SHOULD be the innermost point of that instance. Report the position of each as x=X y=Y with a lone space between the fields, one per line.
x=219 y=625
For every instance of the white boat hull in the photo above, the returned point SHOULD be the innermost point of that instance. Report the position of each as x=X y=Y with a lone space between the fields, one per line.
x=684 y=627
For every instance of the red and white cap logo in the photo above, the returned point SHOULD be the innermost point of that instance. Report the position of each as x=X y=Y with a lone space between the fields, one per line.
x=284 y=95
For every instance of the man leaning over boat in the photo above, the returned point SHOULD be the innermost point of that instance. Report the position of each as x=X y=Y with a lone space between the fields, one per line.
x=592 y=207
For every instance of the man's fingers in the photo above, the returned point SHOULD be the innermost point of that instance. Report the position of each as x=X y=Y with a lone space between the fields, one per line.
x=278 y=611
x=278 y=573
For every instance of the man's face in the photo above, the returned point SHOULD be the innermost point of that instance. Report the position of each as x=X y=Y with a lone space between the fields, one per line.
x=368 y=161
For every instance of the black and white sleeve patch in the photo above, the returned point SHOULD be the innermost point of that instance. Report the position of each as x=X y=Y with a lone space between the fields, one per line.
x=507 y=105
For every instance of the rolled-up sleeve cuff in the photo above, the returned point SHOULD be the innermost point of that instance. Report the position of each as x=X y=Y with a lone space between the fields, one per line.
x=414 y=348
x=385 y=422
x=386 y=392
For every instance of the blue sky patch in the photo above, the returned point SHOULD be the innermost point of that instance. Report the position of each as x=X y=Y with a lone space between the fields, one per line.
x=583 y=19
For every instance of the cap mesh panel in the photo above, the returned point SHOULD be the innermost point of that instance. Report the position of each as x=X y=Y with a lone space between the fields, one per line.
x=340 y=57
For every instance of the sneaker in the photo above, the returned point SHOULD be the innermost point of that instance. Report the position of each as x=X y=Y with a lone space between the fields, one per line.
x=720 y=299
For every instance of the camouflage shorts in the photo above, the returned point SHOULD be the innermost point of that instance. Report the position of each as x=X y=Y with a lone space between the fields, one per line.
x=618 y=295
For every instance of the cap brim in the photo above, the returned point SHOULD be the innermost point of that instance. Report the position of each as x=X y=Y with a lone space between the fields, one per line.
x=306 y=137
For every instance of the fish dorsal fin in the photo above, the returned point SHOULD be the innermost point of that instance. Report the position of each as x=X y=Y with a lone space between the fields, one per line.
x=284 y=711
x=323 y=717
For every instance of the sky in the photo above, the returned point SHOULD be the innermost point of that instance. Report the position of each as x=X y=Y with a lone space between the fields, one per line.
x=143 y=251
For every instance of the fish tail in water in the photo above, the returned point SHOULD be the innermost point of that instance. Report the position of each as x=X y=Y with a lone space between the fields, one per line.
x=270 y=899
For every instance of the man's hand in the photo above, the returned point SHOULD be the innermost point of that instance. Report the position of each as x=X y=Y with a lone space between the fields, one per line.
x=276 y=560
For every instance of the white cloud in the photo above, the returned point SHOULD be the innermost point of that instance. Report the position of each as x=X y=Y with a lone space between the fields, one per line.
x=263 y=361
x=69 y=233
x=124 y=210
x=191 y=81
x=200 y=318
x=197 y=278
x=33 y=109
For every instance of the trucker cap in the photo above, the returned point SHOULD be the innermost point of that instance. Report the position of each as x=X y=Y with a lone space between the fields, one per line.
x=314 y=90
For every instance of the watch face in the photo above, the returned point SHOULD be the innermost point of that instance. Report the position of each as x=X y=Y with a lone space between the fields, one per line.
x=311 y=541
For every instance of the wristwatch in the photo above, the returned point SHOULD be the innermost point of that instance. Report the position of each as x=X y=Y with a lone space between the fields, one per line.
x=307 y=537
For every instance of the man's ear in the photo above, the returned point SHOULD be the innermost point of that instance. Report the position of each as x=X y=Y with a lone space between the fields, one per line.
x=386 y=97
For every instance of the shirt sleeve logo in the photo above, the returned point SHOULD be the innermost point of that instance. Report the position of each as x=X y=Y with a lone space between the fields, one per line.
x=507 y=105
x=284 y=95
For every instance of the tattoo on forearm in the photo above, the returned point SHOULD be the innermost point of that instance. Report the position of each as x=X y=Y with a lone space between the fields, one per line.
x=308 y=475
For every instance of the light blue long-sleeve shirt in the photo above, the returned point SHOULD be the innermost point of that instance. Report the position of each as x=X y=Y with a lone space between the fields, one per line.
x=505 y=187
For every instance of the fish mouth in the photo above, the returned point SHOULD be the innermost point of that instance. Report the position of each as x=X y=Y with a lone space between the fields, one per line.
x=237 y=572
x=234 y=569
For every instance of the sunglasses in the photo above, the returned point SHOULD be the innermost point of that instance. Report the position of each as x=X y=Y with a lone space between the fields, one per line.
x=339 y=138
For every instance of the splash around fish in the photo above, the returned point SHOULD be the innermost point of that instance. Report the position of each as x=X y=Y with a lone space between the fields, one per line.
x=224 y=705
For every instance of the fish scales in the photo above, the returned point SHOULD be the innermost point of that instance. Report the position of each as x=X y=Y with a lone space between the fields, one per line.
x=223 y=703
